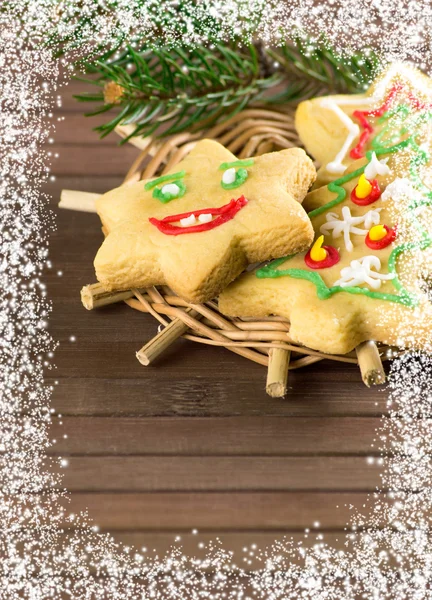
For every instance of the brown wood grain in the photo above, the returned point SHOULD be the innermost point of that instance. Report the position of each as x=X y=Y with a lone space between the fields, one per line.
x=98 y=160
x=72 y=127
x=215 y=511
x=226 y=473
x=200 y=436
x=208 y=395
x=97 y=184
x=248 y=547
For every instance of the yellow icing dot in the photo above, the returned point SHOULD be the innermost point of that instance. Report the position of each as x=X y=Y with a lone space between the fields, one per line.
x=318 y=253
x=377 y=232
x=363 y=188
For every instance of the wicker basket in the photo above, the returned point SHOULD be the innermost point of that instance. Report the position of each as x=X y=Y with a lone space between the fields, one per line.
x=265 y=341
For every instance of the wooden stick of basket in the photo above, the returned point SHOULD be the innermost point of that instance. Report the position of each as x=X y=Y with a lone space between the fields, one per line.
x=266 y=341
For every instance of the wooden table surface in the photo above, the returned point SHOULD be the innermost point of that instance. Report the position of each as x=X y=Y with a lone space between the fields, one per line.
x=193 y=441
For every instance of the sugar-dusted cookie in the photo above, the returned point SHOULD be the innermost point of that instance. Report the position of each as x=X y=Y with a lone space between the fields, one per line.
x=337 y=130
x=368 y=275
x=197 y=227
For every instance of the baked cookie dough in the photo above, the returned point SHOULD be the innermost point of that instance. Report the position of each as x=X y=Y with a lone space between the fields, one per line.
x=198 y=226
x=368 y=275
x=337 y=130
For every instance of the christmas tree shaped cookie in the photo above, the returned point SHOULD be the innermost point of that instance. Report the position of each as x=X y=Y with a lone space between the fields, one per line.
x=368 y=274
x=337 y=130
x=197 y=227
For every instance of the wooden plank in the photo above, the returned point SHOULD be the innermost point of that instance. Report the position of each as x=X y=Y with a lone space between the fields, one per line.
x=207 y=395
x=86 y=183
x=64 y=239
x=97 y=160
x=75 y=128
x=185 y=473
x=99 y=375
x=246 y=546
x=106 y=348
x=219 y=510
x=235 y=436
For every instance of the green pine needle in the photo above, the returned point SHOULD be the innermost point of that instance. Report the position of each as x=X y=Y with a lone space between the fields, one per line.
x=164 y=90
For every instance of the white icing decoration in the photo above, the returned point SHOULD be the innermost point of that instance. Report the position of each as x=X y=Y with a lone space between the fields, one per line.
x=170 y=188
x=188 y=221
x=376 y=167
x=399 y=189
x=360 y=271
x=336 y=166
x=205 y=218
x=229 y=176
x=347 y=224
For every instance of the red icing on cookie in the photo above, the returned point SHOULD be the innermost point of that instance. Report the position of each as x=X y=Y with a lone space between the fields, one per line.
x=223 y=214
x=362 y=118
x=372 y=197
x=383 y=242
x=331 y=259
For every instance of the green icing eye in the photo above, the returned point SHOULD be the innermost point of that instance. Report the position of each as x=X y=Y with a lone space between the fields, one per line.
x=173 y=187
x=233 y=177
x=170 y=191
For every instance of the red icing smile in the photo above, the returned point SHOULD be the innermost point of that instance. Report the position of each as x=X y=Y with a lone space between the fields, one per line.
x=223 y=214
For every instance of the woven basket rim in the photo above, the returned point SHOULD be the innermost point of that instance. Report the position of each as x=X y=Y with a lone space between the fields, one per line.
x=251 y=132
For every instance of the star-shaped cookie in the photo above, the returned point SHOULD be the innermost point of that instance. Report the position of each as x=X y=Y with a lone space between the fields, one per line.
x=198 y=226
x=337 y=130
x=368 y=275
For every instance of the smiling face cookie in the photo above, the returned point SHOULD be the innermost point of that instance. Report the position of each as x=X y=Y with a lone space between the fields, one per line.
x=337 y=130
x=368 y=273
x=197 y=227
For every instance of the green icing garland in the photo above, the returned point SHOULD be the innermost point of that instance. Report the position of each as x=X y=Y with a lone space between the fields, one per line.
x=404 y=297
x=336 y=185
x=324 y=292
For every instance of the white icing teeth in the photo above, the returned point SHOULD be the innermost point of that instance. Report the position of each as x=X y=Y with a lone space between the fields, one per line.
x=376 y=167
x=365 y=270
x=229 y=176
x=188 y=221
x=205 y=218
x=192 y=219
x=170 y=188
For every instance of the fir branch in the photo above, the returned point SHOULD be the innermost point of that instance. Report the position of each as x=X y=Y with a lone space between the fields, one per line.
x=323 y=68
x=166 y=90
x=172 y=89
